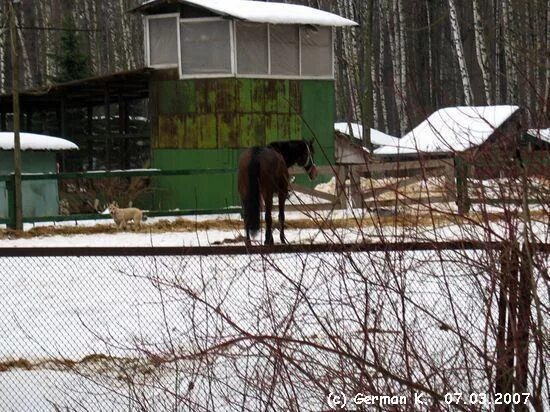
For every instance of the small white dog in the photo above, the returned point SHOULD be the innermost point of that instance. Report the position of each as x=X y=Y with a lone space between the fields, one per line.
x=122 y=216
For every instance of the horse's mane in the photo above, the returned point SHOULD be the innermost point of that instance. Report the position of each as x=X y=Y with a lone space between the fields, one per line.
x=289 y=149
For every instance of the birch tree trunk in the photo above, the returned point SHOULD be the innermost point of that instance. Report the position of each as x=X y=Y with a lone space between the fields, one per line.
x=383 y=116
x=365 y=68
x=547 y=65
x=430 y=56
x=3 y=64
x=457 y=42
x=397 y=50
x=402 y=65
x=481 y=52
x=509 y=56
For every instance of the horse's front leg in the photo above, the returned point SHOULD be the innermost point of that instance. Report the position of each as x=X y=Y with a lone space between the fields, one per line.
x=247 y=241
x=282 y=199
x=268 y=200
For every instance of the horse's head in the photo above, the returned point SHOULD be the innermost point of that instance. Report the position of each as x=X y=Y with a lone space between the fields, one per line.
x=306 y=160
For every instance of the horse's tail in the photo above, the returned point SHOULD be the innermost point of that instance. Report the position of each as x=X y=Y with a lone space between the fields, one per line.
x=252 y=199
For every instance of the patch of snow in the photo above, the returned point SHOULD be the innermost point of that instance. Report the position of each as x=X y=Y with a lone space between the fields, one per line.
x=273 y=13
x=452 y=129
x=33 y=141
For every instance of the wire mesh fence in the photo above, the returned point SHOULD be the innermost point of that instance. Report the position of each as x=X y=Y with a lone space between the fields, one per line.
x=388 y=327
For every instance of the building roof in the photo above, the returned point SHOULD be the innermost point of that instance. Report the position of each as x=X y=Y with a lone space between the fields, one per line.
x=377 y=137
x=543 y=134
x=32 y=141
x=453 y=129
x=258 y=11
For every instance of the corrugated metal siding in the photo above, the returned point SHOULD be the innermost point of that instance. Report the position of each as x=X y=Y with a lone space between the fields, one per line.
x=225 y=113
x=205 y=123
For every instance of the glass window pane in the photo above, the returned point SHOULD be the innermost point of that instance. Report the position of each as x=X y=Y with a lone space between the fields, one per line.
x=163 y=41
x=316 y=51
x=205 y=47
x=251 y=48
x=284 y=50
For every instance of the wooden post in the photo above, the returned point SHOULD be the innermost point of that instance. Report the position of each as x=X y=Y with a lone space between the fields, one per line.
x=506 y=322
x=341 y=176
x=355 y=186
x=461 y=172
x=17 y=166
x=450 y=182
x=523 y=324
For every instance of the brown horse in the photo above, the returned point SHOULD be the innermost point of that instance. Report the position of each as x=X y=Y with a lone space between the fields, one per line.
x=263 y=172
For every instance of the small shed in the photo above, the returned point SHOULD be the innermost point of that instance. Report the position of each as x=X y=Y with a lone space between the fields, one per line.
x=39 y=155
x=487 y=138
x=350 y=148
x=456 y=129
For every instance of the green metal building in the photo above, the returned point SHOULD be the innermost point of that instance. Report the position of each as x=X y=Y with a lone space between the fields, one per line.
x=230 y=75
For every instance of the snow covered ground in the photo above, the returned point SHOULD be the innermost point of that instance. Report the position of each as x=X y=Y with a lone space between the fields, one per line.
x=62 y=311
x=74 y=326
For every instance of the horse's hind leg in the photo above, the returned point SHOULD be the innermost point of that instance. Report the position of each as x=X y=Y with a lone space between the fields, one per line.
x=268 y=200
x=282 y=198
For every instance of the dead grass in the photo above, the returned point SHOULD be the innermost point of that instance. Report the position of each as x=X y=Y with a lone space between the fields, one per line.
x=420 y=219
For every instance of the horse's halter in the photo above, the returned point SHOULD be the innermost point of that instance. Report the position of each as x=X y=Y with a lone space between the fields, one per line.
x=309 y=162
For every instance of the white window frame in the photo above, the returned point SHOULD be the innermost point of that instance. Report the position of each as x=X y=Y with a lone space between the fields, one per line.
x=331 y=75
x=272 y=76
x=232 y=49
x=148 y=41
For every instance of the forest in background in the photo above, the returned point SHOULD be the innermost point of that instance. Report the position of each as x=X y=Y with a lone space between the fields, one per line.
x=405 y=59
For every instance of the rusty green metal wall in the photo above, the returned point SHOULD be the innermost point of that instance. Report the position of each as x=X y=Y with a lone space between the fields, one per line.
x=225 y=113
x=206 y=123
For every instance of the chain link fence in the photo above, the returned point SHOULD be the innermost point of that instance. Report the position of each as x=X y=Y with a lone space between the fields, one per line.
x=319 y=327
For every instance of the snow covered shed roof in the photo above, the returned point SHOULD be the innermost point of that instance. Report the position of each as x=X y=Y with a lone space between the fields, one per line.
x=32 y=141
x=543 y=134
x=377 y=137
x=257 y=11
x=453 y=129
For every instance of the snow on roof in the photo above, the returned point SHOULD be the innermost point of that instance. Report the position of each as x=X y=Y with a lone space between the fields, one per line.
x=377 y=137
x=267 y=12
x=543 y=134
x=452 y=129
x=32 y=141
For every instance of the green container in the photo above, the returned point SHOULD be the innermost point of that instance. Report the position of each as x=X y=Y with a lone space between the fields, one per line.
x=40 y=197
